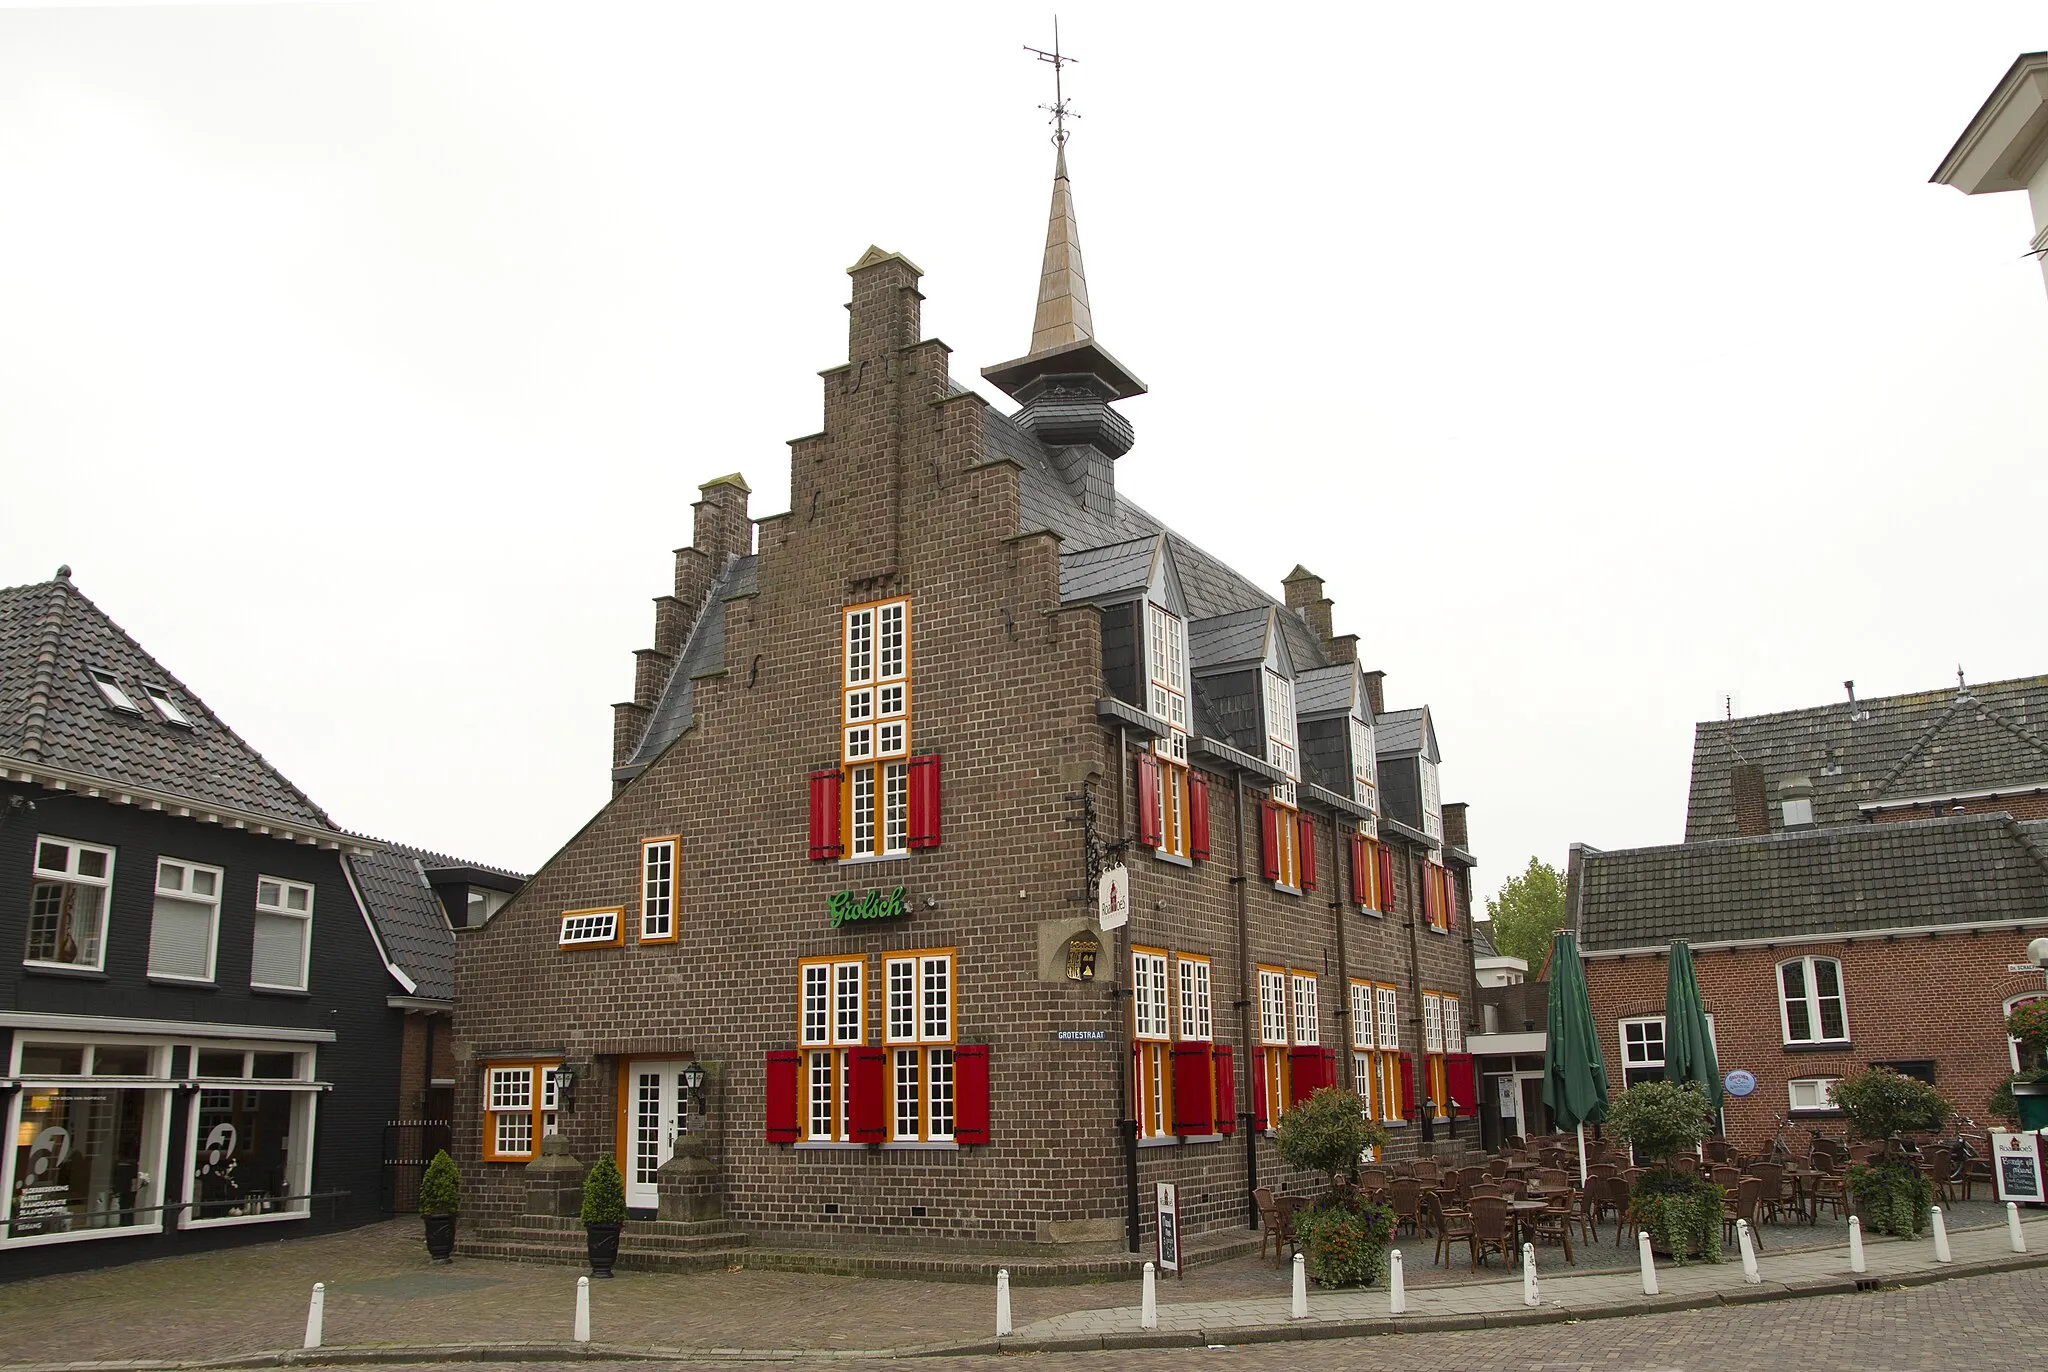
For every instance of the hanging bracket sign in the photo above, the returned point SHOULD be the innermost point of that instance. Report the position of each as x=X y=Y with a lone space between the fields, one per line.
x=1113 y=898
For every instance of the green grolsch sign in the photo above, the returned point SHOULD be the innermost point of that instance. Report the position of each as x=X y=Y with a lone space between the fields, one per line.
x=848 y=906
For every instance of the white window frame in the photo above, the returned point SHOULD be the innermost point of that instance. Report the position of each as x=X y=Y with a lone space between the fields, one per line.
x=154 y=1154
x=598 y=928
x=1362 y=1038
x=282 y=909
x=299 y=1160
x=932 y=1008
x=1273 y=1008
x=2012 y=1003
x=1166 y=669
x=1283 y=749
x=113 y=692
x=1389 y=1002
x=658 y=891
x=540 y=1109
x=1454 y=1025
x=160 y=697
x=1432 y=798
x=1825 y=1094
x=1197 y=1023
x=1621 y=1031
x=1149 y=996
x=1308 y=1031
x=72 y=877
x=183 y=893
x=1812 y=999
x=1432 y=1022
x=1365 y=767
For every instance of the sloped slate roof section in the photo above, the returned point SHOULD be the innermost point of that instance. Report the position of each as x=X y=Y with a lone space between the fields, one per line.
x=1397 y=732
x=51 y=635
x=409 y=919
x=1482 y=939
x=1228 y=640
x=1928 y=743
x=704 y=652
x=1118 y=571
x=1955 y=870
x=1325 y=690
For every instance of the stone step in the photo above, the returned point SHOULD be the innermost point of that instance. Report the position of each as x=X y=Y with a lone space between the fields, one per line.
x=569 y=1224
x=628 y=1242
x=567 y=1255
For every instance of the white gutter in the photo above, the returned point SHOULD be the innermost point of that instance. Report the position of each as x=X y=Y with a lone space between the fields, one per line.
x=376 y=940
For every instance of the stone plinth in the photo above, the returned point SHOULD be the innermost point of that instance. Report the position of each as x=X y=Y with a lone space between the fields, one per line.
x=554 y=1180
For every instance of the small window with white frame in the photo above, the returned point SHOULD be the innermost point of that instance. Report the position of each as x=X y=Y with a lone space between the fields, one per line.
x=1307 y=1019
x=1432 y=802
x=1812 y=1093
x=1812 y=1008
x=875 y=728
x=1166 y=661
x=283 y=942
x=1642 y=1049
x=113 y=692
x=1195 y=1012
x=166 y=708
x=184 y=926
x=1365 y=767
x=591 y=928
x=67 y=910
x=658 y=889
x=519 y=1108
x=1281 y=749
x=1454 y=1025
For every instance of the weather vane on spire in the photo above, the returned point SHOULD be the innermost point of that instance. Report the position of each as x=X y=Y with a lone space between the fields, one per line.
x=1058 y=108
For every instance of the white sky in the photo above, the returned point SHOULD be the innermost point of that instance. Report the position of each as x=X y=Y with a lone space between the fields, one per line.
x=363 y=361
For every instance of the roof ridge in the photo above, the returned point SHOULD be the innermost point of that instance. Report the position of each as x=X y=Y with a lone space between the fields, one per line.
x=416 y=854
x=1955 y=710
x=1979 y=819
x=50 y=641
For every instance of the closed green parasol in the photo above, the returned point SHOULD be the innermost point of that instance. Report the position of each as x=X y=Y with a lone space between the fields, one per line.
x=1574 y=1076
x=1688 y=1047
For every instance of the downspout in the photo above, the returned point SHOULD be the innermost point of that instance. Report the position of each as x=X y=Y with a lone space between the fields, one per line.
x=1244 y=1018
x=1338 y=898
x=1419 y=1070
x=1127 y=1048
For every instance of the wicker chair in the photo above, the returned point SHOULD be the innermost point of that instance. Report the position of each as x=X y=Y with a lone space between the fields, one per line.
x=1276 y=1221
x=1745 y=1204
x=1405 y=1196
x=1490 y=1231
x=1453 y=1225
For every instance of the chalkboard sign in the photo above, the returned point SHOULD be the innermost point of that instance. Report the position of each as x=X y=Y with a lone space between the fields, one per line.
x=2019 y=1166
x=1169 y=1227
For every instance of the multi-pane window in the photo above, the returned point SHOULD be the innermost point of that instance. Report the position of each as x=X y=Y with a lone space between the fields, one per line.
x=590 y=928
x=185 y=920
x=1365 y=768
x=831 y=1003
x=1166 y=659
x=283 y=934
x=1387 y=1066
x=1367 y=884
x=1170 y=804
x=1810 y=999
x=1195 y=1022
x=1442 y=1035
x=919 y=1027
x=1280 y=739
x=1432 y=1023
x=1288 y=1017
x=1454 y=1025
x=1306 y=1020
x=519 y=1109
x=658 y=890
x=1152 y=1033
x=1284 y=834
x=1432 y=804
x=1439 y=895
x=1642 y=1049
x=1812 y=1093
x=1362 y=1054
x=875 y=728
x=67 y=905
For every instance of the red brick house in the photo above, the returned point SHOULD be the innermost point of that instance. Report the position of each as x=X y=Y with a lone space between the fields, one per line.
x=879 y=752
x=1858 y=882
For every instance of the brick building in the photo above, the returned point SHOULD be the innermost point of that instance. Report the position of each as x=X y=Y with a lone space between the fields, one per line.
x=880 y=749
x=1857 y=882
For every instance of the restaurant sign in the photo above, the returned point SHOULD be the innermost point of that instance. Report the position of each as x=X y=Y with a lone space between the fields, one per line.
x=2017 y=1161
x=847 y=907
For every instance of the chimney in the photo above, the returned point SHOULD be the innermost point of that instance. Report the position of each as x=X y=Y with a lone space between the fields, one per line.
x=1305 y=597
x=1455 y=834
x=1752 y=813
x=1376 y=692
x=722 y=528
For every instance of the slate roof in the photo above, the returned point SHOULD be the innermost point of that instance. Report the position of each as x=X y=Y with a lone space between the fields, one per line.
x=1326 y=691
x=1924 y=744
x=1482 y=939
x=1114 y=572
x=1222 y=640
x=52 y=714
x=703 y=651
x=1962 y=869
x=1397 y=732
x=411 y=921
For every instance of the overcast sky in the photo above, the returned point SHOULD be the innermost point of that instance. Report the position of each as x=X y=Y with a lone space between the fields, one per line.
x=363 y=361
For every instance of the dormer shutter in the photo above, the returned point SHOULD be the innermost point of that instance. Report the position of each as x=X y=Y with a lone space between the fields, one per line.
x=1148 y=801
x=1269 y=845
x=1198 y=817
x=1361 y=879
x=1386 y=880
x=1307 y=833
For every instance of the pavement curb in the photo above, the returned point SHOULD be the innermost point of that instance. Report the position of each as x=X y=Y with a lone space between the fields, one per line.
x=1291 y=1331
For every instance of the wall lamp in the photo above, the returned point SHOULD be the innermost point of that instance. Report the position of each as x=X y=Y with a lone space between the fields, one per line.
x=565 y=1087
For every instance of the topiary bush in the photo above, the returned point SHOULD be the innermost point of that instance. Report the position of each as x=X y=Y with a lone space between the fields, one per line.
x=1881 y=1105
x=441 y=1187
x=604 y=1194
x=1345 y=1239
x=1661 y=1119
x=1327 y=1132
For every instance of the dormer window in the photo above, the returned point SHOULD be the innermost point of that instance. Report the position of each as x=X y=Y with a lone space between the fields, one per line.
x=1365 y=769
x=1280 y=745
x=1432 y=802
x=111 y=690
x=165 y=706
x=1166 y=664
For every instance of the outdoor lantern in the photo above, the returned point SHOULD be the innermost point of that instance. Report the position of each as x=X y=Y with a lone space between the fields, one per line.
x=693 y=1078
x=565 y=1087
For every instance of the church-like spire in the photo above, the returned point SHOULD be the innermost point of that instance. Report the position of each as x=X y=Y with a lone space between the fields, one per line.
x=1063 y=315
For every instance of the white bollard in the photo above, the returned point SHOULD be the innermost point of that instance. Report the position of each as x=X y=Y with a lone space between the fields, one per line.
x=1397 y=1287
x=1148 y=1311
x=1003 y=1328
x=1856 y=1244
x=583 y=1310
x=2012 y=1227
x=316 y=1315
x=1749 y=1272
x=1529 y=1292
x=1649 y=1263
x=1298 y=1309
x=1941 y=1253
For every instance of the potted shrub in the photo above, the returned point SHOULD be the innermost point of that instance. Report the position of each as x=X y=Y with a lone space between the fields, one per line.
x=1343 y=1235
x=1681 y=1210
x=2028 y=1025
x=1890 y=1193
x=440 y=1200
x=604 y=1214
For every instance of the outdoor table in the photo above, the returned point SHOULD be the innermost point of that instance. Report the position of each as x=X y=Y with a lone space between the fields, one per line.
x=1521 y=1211
x=1804 y=1193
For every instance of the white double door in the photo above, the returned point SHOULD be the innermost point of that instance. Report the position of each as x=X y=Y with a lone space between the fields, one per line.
x=657 y=1115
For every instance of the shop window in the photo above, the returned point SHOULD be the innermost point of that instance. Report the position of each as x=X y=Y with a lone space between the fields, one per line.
x=519 y=1109
x=658 y=889
x=88 y=1132
x=1811 y=1005
x=283 y=934
x=185 y=922
x=67 y=910
x=250 y=1147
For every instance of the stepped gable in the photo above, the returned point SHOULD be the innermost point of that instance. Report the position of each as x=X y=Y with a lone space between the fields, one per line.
x=53 y=715
x=703 y=652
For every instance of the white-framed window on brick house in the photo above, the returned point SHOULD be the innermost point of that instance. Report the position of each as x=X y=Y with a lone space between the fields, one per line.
x=184 y=925
x=1307 y=1019
x=832 y=1003
x=1454 y=1024
x=1432 y=801
x=919 y=1030
x=602 y=928
x=519 y=1108
x=1363 y=1064
x=875 y=729
x=1642 y=1049
x=1811 y=1093
x=1811 y=1006
x=1166 y=668
x=1274 y=1013
x=67 y=904
x=1387 y=1080
x=1436 y=1088
x=1365 y=767
x=1152 y=1034
x=658 y=889
x=2012 y=1045
x=1196 y=1022
x=283 y=943
x=1281 y=748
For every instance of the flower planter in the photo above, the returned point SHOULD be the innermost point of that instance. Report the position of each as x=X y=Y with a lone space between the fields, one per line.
x=440 y=1236
x=603 y=1244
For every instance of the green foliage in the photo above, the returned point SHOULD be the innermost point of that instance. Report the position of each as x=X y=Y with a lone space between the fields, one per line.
x=1528 y=910
x=1661 y=1118
x=441 y=1187
x=1682 y=1211
x=1892 y=1199
x=2029 y=1024
x=1327 y=1132
x=1881 y=1104
x=2003 y=1103
x=1345 y=1240
x=604 y=1194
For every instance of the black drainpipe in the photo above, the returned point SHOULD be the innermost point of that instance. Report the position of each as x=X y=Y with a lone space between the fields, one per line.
x=1128 y=1125
x=1244 y=1020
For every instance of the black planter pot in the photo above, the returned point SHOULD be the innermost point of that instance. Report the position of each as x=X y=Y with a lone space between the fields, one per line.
x=603 y=1241
x=440 y=1236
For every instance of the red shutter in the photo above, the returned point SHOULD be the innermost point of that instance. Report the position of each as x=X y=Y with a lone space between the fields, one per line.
x=970 y=1093
x=1307 y=833
x=867 y=1095
x=924 y=802
x=1450 y=899
x=825 y=815
x=1269 y=845
x=1407 y=1087
x=1386 y=879
x=1194 y=1110
x=1258 y=1090
x=1304 y=1072
x=1198 y=817
x=1462 y=1082
x=1430 y=893
x=781 y=1096
x=1361 y=883
x=1226 y=1091
x=1148 y=801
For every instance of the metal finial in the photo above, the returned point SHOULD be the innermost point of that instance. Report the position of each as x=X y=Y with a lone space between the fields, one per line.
x=1960 y=684
x=1058 y=108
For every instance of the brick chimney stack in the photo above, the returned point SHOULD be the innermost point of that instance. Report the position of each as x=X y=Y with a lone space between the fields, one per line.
x=1455 y=833
x=1305 y=597
x=1752 y=811
x=1376 y=692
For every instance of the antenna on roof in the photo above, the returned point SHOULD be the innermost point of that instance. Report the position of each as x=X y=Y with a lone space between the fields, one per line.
x=1728 y=706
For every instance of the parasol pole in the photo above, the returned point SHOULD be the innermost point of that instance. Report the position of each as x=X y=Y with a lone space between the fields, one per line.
x=1582 y=1154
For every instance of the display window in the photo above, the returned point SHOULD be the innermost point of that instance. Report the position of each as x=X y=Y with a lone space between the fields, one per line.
x=87 y=1128
x=249 y=1137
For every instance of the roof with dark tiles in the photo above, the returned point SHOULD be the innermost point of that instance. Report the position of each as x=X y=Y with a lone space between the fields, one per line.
x=52 y=714
x=1327 y=691
x=1964 y=869
x=1229 y=640
x=703 y=651
x=411 y=921
x=1883 y=749
x=1398 y=733
x=1113 y=572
